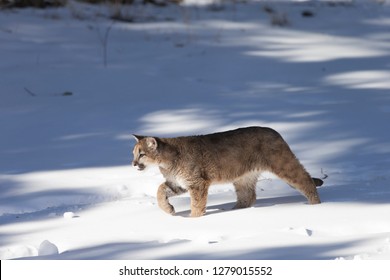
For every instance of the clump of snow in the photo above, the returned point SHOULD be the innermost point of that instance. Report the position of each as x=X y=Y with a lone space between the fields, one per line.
x=46 y=248
x=18 y=251
x=69 y=215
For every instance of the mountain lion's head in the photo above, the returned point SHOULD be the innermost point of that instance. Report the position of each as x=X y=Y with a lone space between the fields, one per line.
x=145 y=152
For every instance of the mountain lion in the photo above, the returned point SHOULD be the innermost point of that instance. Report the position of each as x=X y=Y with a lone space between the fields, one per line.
x=238 y=156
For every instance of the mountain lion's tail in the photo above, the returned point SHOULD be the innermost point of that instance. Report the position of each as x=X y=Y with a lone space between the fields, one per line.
x=318 y=182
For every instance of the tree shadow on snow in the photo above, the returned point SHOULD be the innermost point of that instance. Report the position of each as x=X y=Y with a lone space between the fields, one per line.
x=298 y=252
x=115 y=251
x=162 y=251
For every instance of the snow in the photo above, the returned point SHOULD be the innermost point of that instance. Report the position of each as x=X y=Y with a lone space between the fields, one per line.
x=69 y=215
x=47 y=248
x=71 y=97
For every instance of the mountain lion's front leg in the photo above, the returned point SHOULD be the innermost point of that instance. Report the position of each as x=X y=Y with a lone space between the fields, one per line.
x=198 y=200
x=164 y=192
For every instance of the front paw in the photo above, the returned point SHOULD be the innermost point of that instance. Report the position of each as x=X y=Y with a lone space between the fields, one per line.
x=197 y=213
x=171 y=211
x=167 y=208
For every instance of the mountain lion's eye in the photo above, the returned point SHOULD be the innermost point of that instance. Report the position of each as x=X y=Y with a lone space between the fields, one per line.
x=141 y=155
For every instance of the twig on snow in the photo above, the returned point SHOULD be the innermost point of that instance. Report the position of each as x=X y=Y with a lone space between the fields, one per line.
x=29 y=92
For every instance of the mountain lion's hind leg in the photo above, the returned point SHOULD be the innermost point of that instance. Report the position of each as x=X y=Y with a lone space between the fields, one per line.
x=166 y=191
x=245 y=191
x=297 y=177
x=284 y=164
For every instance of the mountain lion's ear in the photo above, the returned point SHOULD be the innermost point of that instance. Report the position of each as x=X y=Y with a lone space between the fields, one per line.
x=138 y=137
x=151 y=143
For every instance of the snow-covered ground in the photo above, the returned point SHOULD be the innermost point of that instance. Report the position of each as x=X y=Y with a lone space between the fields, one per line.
x=74 y=85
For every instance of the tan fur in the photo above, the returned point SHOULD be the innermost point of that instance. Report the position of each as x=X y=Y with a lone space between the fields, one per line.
x=238 y=156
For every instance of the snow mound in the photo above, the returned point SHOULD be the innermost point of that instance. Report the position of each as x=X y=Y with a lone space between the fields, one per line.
x=20 y=251
x=69 y=215
x=47 y=248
